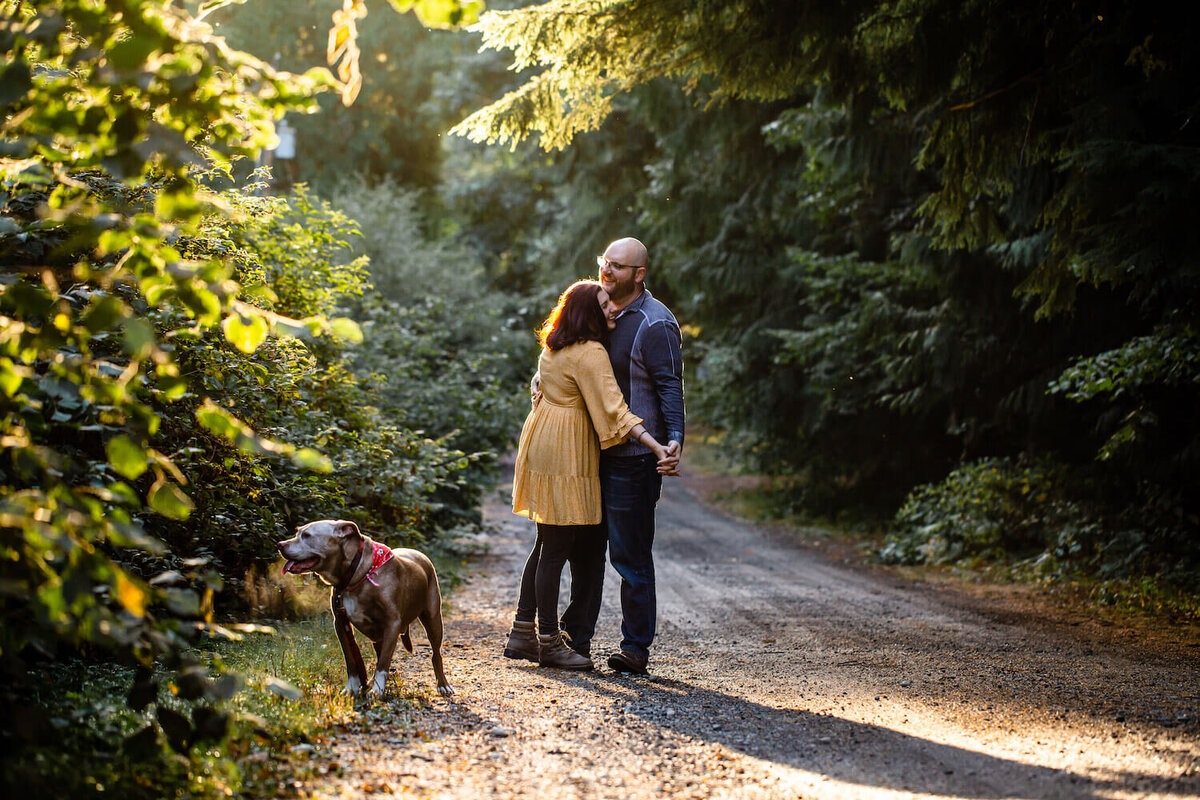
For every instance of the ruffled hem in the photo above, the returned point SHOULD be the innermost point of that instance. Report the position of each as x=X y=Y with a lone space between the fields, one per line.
x=557 y=499
x=613 y=438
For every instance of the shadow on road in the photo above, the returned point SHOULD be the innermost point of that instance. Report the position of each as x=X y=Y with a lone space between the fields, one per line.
x=851 y=752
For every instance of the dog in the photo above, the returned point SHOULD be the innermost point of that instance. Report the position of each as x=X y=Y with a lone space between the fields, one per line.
x=381 y=590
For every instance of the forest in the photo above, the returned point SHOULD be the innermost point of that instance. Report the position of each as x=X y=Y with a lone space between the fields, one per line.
x=935 y=264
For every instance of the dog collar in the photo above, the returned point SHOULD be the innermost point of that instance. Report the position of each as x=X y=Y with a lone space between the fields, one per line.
x=380 y=555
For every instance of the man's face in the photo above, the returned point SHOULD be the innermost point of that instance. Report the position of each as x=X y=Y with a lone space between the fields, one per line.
x=621 y=270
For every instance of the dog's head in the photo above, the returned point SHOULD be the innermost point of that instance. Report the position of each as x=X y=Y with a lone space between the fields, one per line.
x=324 y=547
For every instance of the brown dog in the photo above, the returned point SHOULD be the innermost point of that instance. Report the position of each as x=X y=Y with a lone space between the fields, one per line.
x=382 y=591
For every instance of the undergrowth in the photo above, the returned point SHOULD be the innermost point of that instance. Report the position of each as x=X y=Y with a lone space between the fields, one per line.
x=290 y=677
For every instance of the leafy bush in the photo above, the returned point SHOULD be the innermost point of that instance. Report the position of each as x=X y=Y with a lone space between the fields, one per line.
x=380 y=469
x=991 y=509
x=1044 y=520
x=110 y=115
x=174 y=392
x=447 y=353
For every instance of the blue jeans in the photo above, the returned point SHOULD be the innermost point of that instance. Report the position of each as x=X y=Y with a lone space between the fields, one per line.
x=630 y=487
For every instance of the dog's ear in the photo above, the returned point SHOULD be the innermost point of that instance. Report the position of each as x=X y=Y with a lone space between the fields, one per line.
x=345 y=528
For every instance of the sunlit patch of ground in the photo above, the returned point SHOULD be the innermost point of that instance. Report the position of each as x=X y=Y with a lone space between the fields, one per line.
x=778 y=673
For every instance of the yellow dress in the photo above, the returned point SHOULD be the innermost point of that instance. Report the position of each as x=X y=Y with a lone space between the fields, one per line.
x=557 y=478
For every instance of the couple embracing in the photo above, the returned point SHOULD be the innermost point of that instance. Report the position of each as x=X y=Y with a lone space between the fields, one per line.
x=610 y=378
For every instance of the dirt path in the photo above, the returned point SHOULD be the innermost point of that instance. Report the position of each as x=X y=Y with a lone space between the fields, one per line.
x=779 y=673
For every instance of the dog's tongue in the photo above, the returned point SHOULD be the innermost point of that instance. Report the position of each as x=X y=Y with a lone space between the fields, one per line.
x=287 y=567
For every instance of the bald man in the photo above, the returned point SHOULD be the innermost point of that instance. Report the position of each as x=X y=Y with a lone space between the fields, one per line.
x=645 y=350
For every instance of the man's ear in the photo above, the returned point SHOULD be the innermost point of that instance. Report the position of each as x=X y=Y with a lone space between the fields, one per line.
x=345 y=528
x=639 y=275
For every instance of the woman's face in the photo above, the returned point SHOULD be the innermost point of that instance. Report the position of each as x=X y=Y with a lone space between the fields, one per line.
x=607 y=308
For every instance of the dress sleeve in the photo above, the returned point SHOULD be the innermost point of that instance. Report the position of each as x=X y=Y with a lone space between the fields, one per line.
x=610 y=415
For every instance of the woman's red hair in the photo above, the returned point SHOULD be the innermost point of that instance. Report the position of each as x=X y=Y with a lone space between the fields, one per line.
x=576 y=318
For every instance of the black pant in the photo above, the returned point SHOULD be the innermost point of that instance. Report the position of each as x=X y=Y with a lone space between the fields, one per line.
x=543 y=568
x=630 y=487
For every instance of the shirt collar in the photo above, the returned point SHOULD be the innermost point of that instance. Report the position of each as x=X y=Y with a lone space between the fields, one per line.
x=637 y=303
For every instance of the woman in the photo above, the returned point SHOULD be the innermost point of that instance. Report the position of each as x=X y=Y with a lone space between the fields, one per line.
x=557 y=479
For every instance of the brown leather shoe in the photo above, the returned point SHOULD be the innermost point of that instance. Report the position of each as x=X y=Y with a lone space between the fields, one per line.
x=584 y=650
x=522 y=642
x=628 y=661
x=555 y=653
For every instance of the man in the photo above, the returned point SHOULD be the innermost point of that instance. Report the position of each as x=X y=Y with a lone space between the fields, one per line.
x=645 y=351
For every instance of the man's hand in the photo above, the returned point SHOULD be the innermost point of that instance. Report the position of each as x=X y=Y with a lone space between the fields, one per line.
x=535 y=388
x=670 y=464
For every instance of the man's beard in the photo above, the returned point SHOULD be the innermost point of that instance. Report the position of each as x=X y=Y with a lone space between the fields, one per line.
x=622 y=291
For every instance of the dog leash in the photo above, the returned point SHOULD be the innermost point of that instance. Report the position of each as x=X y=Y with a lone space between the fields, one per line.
x=341 y=620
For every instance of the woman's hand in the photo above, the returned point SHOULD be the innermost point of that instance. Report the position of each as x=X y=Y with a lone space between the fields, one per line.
x=668 y=461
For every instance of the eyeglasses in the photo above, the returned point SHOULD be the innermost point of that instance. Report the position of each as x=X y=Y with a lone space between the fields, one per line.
x=601 y=261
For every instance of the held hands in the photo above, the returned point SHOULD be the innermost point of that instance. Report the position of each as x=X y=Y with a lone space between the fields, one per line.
x=668 y=457
x=669 y=463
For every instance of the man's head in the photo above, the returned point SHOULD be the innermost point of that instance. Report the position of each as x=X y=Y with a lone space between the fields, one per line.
x=623 y=270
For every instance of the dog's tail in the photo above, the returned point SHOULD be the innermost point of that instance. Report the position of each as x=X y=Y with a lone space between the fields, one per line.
x=406 y=641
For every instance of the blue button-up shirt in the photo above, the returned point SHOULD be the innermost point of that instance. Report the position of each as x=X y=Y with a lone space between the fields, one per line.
x=646 y=353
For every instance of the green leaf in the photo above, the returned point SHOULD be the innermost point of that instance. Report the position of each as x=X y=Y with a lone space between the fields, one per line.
x=218 y=421
x=308 y=458
x=139 y=338
x=184 y=602
x=226 y=686
x=346 y=328
x=170 y=501
x=176 y=727
x=131 y=52
x=103 y=313
x=15 y=83
x=245 y=333
x=445 y=13
x=173 y=387
x=10 y=376
x=144 y=690
x=126 y=457
x=30 y=298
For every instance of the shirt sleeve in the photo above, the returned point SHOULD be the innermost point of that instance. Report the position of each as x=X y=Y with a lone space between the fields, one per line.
x=662 y=354
x=606 y=406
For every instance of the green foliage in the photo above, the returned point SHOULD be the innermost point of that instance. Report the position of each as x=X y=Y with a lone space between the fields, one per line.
x=393 y=127
x=287 y=693
x=106 y=125
x=1041 y=518
x=991 y=509
x=446 y=353
x=176 y=386
x=903 y=236
x=587 y=52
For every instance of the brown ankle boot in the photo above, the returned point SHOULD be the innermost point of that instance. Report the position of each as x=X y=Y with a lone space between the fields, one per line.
x=522 y=641
x=553 y=652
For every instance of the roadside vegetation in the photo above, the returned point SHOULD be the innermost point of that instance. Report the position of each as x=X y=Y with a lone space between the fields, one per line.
x=953 y=296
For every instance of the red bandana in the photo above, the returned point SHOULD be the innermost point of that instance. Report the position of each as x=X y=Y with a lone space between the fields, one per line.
x=380 y=555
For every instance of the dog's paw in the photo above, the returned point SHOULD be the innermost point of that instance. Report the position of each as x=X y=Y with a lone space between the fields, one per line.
x=353 y=685
x=379 y=685
x=446 y=690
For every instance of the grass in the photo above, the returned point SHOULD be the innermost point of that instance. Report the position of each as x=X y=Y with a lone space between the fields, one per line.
x=71 y=737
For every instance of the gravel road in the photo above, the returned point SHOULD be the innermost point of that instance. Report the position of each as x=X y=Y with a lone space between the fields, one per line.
x=784 y=671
